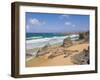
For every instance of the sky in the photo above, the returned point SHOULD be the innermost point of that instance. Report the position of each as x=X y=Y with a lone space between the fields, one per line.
x=55 y=23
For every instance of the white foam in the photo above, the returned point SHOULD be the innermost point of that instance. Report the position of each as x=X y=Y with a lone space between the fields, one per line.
x=42 y=42
x=74 y=35
x=44 y=39
x=29 y=38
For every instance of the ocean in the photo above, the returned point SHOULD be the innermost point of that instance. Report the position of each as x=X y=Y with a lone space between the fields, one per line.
x=34 y=41
x=42 y=35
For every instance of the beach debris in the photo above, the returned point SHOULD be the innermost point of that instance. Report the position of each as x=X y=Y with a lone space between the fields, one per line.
x=81 y=58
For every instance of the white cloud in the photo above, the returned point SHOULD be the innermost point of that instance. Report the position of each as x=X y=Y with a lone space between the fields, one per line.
x=64 y=16
x=35 y=21
x=68 y=23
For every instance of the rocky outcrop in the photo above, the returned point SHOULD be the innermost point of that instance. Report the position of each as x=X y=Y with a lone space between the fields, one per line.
x=84 y=35
x=56 y=52
x=81 y=58
x=43 y=50
x=67 y=43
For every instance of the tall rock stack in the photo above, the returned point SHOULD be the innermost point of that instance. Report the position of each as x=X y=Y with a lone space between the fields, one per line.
x=43 y=50
x=67 y=43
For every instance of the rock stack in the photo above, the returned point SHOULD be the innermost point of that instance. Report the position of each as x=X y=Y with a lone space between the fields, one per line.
x=43 y=50
x=67 y=43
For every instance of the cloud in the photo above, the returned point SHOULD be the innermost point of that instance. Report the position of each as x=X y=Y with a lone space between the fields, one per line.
x=64 y=16
x=35 y=21
x=70 y=24
x=67 y=23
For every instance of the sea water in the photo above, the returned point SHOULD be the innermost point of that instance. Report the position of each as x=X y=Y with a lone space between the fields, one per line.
x=34 y=40
x=38 y=40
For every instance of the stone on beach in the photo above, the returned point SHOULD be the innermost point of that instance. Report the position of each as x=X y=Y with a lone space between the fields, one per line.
x=82 y=58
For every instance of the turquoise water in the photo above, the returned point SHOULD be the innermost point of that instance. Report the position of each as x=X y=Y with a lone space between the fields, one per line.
x=30 y=36
x=35 y=40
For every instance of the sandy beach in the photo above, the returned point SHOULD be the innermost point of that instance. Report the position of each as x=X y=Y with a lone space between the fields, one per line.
x=59 y=59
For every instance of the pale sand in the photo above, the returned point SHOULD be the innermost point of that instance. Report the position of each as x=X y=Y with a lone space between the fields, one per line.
x=58 y=60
